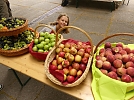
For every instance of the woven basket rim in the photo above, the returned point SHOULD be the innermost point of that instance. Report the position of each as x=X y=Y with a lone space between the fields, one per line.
x=7 y=52
x=51 y=56
x=56 y=81
x=16 y=27
x=11 y=31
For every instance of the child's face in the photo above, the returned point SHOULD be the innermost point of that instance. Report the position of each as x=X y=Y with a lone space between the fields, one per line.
x=63 y=21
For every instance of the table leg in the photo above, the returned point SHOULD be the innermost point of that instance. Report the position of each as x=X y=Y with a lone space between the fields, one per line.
x=112 y=6
x=22 y=84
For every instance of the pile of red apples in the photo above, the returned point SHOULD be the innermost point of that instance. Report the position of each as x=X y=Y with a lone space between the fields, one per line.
x=116 y=61
x=71 y=59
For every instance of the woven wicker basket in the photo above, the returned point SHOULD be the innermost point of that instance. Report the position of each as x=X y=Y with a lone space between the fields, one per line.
x=37 y=55
x=52 y=54
x=15 y=31
x=18 y=51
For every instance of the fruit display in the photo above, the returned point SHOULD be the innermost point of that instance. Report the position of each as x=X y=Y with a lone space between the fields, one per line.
x=42 y=44
x=68 y=63
x=45 y=42
x=7 y=24
x=71 y=59
x=14 y=43
x=116 y=61
x=17 y=45
x=113 y=69
x=13 y=26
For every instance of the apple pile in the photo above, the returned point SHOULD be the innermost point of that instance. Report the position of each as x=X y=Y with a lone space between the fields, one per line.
x=71 y=60
x=45 y=42
x=116 y=61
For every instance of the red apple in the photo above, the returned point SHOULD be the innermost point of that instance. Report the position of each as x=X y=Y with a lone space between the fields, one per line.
x=113 y=69
x=119 y=44
x=126 y=78
x=127 y=49
x=84 y=60
x=129 y=64
x=110 y=58
x=78 y=58
x=112 y=75
x=107 y=45
x=121 y=71
x=118 y=56
x=106 y=65
x=86 y=55
x=102 y=50
x=65 y=63
x=88 y=50
x=53 y=67
x=99 y=63
x=117 y=63
x=73 y=72
x=104 y=71
x=61 y=54
x=122 y=52
x=115 y=50
x=125 y=58
x=108 y=52
x=82 y=67
x=81 y=52
x=70 y=79
x=76 y=66
x=130 y=71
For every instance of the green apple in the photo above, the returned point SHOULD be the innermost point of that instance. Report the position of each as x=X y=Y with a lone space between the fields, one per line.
x=41 y=39
x=40 y=46
x=47 y=40
x=43 y=42
x=52 y=44
x=46 y=47
x=42 y=34
x=51 y=36
x=52 y=40
x=36 y=41
x=49 y=44
x=35 y=48
x=41 y=50
x=50 y=48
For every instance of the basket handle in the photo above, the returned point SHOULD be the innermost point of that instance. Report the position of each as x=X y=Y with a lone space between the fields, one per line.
x=117 y=34
x=44 y=25
x=79 y=30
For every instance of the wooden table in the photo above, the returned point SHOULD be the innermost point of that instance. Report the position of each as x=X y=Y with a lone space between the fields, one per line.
x=33 y=68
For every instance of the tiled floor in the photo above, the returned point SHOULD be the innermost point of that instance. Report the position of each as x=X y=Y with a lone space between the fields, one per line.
x=93 y=17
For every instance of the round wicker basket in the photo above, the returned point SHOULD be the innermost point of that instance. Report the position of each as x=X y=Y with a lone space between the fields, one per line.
x=15 y=31
x=17 y=52
x=38 y=55
x=52 y=54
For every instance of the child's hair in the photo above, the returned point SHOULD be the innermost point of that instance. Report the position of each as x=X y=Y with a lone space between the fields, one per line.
x=55 y=23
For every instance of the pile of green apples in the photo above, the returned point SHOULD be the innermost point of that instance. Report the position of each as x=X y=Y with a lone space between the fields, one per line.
x=45 y=42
